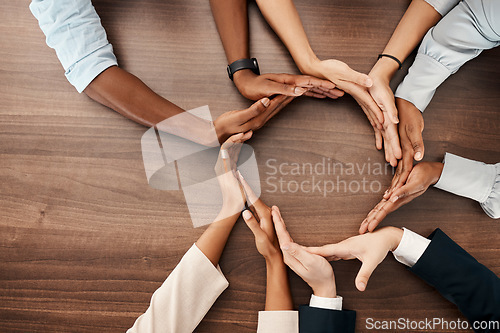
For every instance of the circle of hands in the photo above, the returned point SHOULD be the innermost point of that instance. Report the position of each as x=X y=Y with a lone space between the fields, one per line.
x=397 y=126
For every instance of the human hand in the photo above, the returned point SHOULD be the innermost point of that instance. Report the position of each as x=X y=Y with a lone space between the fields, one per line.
x=253 y=118
x=233 y=199
x=421 y=177
x=315 y=270
x=410 y=133
x=262 y=226
x=254 y=86
x=370 y=249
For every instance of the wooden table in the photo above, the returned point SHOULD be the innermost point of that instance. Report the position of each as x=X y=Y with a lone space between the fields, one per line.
x=85 y=241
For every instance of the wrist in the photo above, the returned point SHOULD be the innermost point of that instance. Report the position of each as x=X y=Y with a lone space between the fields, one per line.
x=437 y=170
x=384 y=69
x=274 y=261
x=309 y=65
x=394 y=237
x=328 y=290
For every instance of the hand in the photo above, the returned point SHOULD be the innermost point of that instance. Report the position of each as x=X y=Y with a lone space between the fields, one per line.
x=263 y=229
x=410 y=133
x=370 y=249
x=254 y=86
x=233 y=199
x=421 y=177
x=253 y=118
x=315 y=270
x=350 y=81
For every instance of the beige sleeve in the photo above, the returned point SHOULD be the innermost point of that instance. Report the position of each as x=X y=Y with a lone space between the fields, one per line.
x=278 y=322
x=184 y=298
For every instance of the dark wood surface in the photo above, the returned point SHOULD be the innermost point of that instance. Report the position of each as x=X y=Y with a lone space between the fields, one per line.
x=84 y=241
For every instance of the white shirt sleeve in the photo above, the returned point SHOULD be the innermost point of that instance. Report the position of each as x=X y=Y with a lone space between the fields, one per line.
x=471 y=179
x=278 y=322
x=326 y=302
x=185 y=297
x=468 y=29
x=73 y=29
x=411 y=248
x=443 y=6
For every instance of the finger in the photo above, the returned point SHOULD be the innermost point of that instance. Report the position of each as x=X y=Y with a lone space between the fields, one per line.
x=284 y=237
x=349 y=74
x=364 y=274
x=378 y=138
x=311 y=93
x=339 y=250
x=300 y=254
x=276 y=88
x=252 y=198
x=387 y=104
x=252 y=223
x=394 y=181
x=305 y=81
x=253 y=111
x=392 y=138
x=417 y=142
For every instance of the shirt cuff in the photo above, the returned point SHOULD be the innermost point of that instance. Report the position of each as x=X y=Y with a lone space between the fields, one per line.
x=474 y=180
x=278 y=321
x=326 y=302
x=443 y=6
x=411 y=248
x=423 y=78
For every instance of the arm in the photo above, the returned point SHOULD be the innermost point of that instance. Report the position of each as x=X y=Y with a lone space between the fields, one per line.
x=90 y=65
x=456 y=275
x=197 y=281
x=231 y=18
x=278 y=315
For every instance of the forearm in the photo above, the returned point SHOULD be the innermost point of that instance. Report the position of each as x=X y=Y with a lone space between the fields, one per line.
x=278 y=296
x=214 y=239
x=417 y=20
x=231 y=18
x=283 y=17
x=129 y=96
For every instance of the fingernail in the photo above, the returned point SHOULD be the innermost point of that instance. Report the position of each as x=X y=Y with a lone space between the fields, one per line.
x=361 y=286
x=368 y=82
x=396 y=120
x=285 y=247
x=418 y=155
x=364 y=221
x=386 y=191
x=247 y=215
x=394 y=199
x=224 y=154
x=299 y=91
x=265 y=102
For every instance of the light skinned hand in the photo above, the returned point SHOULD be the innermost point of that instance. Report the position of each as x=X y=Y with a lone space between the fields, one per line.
x=423 y=175
x=410 y=134
x=261 y=224
x=254 y=86
x=315 y=270
x=250 y=119
x=233 y=200
x=371 y=249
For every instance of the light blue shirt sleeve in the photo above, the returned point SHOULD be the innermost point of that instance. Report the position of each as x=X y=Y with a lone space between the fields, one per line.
x=73 y=29
x=472 y=179
x=469 y=28
x=443 y=6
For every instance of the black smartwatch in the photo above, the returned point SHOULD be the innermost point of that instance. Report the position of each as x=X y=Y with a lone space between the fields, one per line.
x=243 y=64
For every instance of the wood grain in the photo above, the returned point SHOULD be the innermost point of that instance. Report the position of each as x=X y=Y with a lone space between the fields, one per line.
x=85 y=241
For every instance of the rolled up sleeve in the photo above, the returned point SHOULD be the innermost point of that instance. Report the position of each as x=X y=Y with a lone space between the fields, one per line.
x=73 y=29
x=278 y=321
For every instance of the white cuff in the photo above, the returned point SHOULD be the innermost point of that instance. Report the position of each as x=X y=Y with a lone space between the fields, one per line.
x=474 y=180
x=443 y=6
x=326 y=302
x=278 y=321
x=422 y=80
x=411 y=248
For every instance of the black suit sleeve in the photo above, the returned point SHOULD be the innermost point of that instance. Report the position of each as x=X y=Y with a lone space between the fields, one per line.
x=317 y=320
x=460 y=278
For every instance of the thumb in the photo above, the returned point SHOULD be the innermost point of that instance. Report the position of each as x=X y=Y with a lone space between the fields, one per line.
x=417 y=143
x=251 y=222
x=361 y=79
x=364 y=274
x=277 y=88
